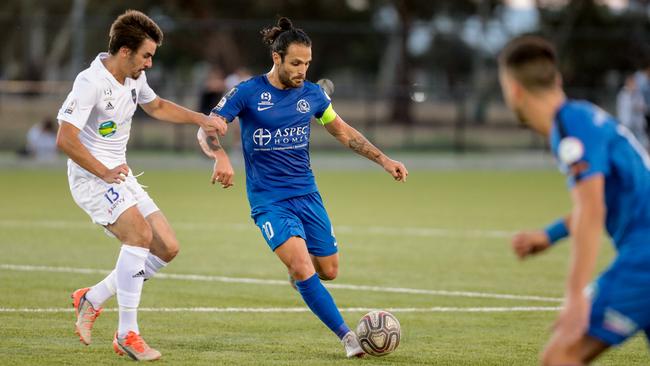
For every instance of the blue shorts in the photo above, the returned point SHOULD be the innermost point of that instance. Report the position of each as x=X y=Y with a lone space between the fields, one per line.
x=302 y=216
x=621 y=300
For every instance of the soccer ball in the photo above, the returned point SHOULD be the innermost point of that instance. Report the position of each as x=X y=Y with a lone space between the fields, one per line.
x=379 y=333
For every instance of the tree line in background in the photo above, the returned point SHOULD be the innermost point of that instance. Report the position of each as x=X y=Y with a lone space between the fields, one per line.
x=364 y=42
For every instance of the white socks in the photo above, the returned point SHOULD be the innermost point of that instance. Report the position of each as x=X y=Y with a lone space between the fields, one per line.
x=102 y=291
x=134 y=265
x=107 y=288
x=129 y=272
x=152 y=265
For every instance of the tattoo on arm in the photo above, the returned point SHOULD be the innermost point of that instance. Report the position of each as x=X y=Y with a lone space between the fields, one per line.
x=213 y=143
x=363 y=147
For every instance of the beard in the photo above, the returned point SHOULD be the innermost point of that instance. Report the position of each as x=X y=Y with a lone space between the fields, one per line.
x=286 y=80
x=133 y=65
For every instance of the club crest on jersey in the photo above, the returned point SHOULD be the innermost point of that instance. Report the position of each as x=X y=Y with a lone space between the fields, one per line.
x=265 y=102
x=107 y=129
x=134 y=96
x=303 y=106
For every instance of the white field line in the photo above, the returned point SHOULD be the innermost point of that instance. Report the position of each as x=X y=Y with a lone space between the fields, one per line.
x=304 y=310
x=257 y=281
x=364 y=230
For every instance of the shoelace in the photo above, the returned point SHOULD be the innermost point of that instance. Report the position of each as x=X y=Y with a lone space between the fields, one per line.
x=136 y=342
x=139 y=175
x=90 y=315
x=348 y=341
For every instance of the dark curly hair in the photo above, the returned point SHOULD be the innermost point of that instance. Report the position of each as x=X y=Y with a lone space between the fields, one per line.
x=282 y=35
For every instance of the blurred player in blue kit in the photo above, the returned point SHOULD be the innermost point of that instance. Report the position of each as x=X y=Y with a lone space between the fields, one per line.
x=275 y=110
x=608 y=174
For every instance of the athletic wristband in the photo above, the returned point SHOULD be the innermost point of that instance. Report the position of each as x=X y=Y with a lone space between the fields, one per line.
x=556 y=230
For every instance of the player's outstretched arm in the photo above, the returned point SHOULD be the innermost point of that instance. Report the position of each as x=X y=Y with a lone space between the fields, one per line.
x=67 y=140
x=530 y=242
x=210 y=145
x=587 y=222
x=169 y=111
x=353 y=139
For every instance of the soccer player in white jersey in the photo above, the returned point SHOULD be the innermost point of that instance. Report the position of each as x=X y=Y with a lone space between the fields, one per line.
x=95 y=124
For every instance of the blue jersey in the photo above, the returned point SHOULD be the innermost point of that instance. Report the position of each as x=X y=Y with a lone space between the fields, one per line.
x=587 y=141
x=275 y=130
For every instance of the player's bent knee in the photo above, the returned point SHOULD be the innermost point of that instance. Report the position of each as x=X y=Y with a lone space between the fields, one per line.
x=328 y=274
x=301 y=270
x=171 y=251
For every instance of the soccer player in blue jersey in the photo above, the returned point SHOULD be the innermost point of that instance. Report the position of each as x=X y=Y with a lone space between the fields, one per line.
x=275 y=110
x=608 y=175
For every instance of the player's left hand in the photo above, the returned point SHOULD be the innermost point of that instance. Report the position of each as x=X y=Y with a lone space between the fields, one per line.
x=213 y=123
x=396 y=169
x=572 y=323
x=223 y=172
x=527 y=243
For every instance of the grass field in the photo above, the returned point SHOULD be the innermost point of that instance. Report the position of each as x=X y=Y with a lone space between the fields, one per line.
x=441 y=231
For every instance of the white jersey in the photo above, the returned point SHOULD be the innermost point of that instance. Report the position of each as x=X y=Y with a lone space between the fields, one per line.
x=102 y=109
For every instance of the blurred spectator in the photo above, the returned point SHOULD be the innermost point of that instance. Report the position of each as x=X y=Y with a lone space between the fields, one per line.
x=241 y=74
x=642 y=80
x=41 y=141
x=213 y=89
x=632 y=108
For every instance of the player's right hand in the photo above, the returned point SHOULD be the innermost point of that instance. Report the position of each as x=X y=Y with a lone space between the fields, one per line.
x=396 y=169
x=223 y=172
x=214 y=124
x=116 y=175
x=573 y=321
x=526 y=243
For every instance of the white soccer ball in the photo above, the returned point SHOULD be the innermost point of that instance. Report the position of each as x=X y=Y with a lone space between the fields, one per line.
x=379 y=333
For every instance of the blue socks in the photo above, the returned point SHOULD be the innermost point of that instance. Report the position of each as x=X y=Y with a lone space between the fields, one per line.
x=322 y=304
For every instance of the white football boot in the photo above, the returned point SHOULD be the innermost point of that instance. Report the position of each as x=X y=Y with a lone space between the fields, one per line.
x=351 y=344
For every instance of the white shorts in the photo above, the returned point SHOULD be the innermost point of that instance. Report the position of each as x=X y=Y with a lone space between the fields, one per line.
x=104 y=202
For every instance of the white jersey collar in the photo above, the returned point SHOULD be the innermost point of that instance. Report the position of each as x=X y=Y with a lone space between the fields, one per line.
x=99 y=65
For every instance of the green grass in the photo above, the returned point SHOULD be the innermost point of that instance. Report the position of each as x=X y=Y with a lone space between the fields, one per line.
x=41 y=226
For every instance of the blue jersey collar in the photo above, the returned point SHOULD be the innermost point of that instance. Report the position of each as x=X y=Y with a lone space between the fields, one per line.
x=288 y=90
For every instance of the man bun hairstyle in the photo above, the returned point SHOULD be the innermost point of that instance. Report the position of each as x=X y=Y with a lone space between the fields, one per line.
x=279 y=37
x=532 y=61
x=130 y=29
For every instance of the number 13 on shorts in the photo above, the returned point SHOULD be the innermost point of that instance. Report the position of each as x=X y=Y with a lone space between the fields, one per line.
x=111 y=195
